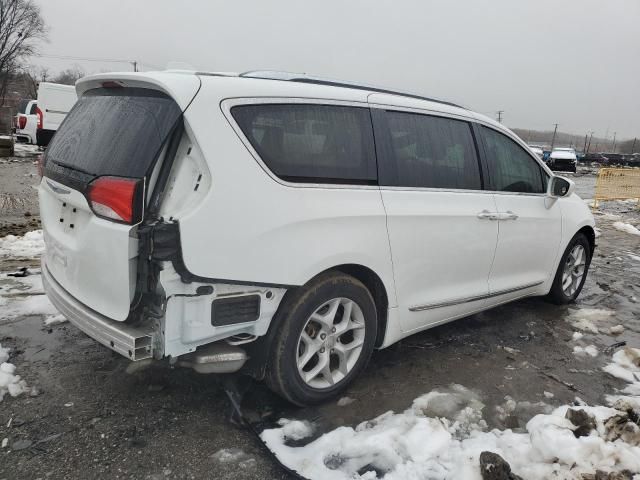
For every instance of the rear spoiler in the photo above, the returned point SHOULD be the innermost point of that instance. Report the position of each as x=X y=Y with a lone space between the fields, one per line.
x=182 y=87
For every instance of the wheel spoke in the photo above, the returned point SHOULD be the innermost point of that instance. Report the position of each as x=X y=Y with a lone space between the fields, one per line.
x=578 y=256
x=327 y=319
x=323 y=363
x=311 y=349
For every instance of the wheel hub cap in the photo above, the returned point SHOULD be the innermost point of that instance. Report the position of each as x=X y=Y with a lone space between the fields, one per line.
x=574 y=268
x=330 y=343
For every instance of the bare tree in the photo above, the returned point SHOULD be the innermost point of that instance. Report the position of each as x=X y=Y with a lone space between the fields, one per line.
x=69 y=76
x=21 y=27
x=31 y=78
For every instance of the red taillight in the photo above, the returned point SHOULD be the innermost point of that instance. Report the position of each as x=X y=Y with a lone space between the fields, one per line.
x=22 y=122
x=39 y=115
x=116 y=198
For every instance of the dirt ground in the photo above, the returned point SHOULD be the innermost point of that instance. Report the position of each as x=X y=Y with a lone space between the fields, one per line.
x=95 y=417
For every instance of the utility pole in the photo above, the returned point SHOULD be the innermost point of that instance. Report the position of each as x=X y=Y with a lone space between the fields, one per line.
x=614 y=142
x=500 y=112
x=584 y=149
x=589 y=145
x=135 y=66
x=553 y=140
x=633 y=147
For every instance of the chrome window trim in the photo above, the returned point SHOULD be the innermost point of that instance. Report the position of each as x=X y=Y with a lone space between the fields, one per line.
x=228 y=103
x=519 y=141
x=422 y=111
x=397 y=188
x=449 y=303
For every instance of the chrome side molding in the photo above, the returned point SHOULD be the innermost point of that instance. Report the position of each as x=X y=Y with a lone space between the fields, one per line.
x=457 y=301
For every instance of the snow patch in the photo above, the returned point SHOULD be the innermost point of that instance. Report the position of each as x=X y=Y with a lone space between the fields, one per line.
x=626 y=227
x=9 y=382
x=588 y=350
x=585 y=319
x=29 y=305
x=30 y=245
x=295 y=429
x=423 y=442
x=616 y=330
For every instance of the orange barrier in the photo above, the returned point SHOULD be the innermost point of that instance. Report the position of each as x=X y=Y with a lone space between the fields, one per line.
x=617 y=184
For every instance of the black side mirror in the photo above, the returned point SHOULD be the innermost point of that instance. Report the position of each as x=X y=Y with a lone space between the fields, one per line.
x=560 y=187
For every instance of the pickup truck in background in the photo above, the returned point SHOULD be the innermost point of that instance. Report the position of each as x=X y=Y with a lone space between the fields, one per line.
x=54 y=103
x=26 y=121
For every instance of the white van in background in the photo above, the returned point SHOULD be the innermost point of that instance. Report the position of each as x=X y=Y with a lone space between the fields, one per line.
x=54 y=102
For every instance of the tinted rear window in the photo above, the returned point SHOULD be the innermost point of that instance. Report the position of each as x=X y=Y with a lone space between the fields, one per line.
x=311 y=143
x=115 y=131
x=22 y=106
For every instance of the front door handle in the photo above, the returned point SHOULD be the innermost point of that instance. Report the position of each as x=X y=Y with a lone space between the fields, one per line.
x=508 y=215
x=487 y=215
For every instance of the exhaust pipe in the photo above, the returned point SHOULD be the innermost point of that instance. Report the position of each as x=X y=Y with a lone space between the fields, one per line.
x=219 y=357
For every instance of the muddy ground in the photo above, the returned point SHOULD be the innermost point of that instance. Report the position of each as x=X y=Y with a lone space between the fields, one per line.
x=94 y=419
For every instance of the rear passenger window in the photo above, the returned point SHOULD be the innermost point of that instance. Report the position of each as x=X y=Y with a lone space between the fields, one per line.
x=511 y=168
x=433 y=152
x=311 y=143
x=33 y=109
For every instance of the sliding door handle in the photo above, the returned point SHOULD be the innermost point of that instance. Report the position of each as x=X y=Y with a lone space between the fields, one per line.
x=487 y=215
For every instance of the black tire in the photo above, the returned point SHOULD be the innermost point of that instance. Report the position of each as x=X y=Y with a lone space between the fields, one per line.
x=282 y=374
x=557 y=294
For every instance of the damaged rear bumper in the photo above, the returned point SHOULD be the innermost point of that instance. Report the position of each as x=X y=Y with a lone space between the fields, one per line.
x=135 y=343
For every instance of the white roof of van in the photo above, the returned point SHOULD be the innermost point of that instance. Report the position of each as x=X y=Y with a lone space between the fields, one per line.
x=563 y=154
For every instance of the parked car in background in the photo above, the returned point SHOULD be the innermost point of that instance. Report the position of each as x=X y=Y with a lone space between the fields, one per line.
x=26 y=121
x=596 y=157
x=615 y=158
x=539 y=151
x=54 y=101
x=563 y=159
x=250 y=221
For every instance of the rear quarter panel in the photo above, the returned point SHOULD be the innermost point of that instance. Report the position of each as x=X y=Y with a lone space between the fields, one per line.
x=253 y=228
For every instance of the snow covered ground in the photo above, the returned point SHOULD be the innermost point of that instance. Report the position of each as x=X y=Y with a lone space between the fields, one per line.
x=21 y=295
x=442 y=435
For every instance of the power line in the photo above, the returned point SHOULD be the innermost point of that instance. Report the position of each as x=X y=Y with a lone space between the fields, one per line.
x=134 y=63
x=88 y=59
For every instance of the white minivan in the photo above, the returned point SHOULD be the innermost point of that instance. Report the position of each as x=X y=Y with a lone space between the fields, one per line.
x=288 y=225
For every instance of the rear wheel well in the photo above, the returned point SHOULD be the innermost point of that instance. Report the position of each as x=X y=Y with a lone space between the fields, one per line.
x=379 y=293
x=259 y=350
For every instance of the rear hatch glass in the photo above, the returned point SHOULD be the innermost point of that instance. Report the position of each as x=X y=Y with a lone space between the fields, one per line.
x=111 y=131
x=22 y=106
x=115 y=132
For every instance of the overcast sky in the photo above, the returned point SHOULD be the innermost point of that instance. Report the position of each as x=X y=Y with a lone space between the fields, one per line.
x=574 y=62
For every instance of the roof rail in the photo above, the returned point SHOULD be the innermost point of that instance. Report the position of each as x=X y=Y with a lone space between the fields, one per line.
x=305 y=78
